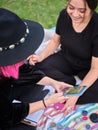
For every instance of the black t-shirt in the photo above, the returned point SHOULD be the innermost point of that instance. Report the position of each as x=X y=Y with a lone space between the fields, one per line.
x=78 y=48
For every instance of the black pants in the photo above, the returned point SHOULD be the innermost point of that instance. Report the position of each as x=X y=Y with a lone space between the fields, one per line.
x=57 y=67
x=26 y=94
x=20 y=127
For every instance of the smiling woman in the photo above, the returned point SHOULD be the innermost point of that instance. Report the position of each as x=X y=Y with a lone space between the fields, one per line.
x=42 y=11
x=80 y=13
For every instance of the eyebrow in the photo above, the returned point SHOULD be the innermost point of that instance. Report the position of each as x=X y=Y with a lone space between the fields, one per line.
x=74 y=6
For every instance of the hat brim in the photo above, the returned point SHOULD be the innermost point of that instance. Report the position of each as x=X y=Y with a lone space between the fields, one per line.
x=23 y=50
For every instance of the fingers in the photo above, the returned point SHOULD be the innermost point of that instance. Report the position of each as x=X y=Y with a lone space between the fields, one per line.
x=58 y=90
x=58 y=97
x=62 y=98
x=68 y=110
x=69 y=105
x=67 y=85
x=32 y=59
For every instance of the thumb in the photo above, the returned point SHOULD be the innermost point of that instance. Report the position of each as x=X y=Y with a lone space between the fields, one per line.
x=58 y=90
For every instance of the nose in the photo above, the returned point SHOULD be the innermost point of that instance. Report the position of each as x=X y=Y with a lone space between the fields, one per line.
x=76 y=13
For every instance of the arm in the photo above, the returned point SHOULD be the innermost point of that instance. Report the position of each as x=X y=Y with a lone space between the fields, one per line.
x=88 y=80
x=92 y=75
x=13 y=113
x=58 y=86
x=49 y=49
x=57 y=97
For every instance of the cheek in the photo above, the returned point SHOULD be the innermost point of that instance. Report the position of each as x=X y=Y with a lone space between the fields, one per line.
x=87 y=14
x=82 y=15
x=69 y=11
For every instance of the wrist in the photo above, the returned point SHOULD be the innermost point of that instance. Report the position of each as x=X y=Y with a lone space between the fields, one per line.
x=44 y=103
x=47 y=102
x=41 y=58
x=52 y=82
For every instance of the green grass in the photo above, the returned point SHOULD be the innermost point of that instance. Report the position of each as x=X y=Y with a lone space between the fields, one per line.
x=42 y=11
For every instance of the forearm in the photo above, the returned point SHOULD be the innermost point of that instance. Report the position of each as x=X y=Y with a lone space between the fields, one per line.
x=33 y=107
x=50 y=48
x=90 y=78
x=36 y=106
x=47 y=81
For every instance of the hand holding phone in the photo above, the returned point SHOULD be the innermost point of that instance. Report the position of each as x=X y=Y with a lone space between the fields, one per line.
x=75 y=91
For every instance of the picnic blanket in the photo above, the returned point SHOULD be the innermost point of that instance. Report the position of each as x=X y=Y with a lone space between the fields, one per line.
x=85 y=117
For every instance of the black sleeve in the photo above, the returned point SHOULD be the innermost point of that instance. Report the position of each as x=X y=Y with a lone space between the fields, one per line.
x=29 y=75
x=11 y=113
x=95 y=36
x=62 y=19
x=19 y=111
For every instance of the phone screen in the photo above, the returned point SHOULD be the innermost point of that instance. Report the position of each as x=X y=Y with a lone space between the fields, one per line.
x=75 y=91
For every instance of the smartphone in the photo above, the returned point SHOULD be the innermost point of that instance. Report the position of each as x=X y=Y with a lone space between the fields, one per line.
x=75 y=91
x=29 y=122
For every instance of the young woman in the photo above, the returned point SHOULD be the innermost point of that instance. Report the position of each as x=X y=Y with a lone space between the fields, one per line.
x=19 y=39
x=77 y=34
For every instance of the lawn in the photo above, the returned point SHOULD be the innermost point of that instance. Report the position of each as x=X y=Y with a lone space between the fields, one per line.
x=43 y=11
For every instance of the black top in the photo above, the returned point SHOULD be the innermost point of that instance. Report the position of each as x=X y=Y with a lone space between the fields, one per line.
x=13 y=113
x=78 y=48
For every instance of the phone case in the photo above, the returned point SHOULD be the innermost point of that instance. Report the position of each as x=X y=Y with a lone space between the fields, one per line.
x=76 y=91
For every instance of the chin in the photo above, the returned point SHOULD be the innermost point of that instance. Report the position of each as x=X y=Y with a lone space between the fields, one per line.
x=76 y=21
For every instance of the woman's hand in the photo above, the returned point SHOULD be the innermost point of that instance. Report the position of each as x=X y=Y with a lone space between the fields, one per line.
x=60 y=86
x=55 y=98
x=57 y=85
x=33 y=59
x=70 y=104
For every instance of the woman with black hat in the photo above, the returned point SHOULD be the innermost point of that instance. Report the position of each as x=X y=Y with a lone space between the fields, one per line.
x=18 y=40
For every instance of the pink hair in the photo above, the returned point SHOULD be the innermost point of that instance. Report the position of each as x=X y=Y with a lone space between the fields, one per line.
x=11 y=70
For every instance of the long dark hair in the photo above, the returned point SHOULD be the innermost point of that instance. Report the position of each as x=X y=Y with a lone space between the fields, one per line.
x=92 y=4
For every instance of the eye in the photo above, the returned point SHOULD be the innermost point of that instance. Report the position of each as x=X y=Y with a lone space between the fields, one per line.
x=71 y=7
x=82 y=10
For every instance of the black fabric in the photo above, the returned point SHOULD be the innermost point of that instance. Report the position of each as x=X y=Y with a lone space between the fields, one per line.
x=20 y=127
x=22 y=89
x=75 y=55
x=90 y=96
x=11 y=113
x=28 y=75
x=78 y=48
x=57 y=69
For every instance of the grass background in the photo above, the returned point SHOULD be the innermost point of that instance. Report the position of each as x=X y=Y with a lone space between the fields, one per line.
x=42 y=11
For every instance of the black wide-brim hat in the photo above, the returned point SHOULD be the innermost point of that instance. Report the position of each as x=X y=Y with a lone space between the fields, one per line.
x=18 y=38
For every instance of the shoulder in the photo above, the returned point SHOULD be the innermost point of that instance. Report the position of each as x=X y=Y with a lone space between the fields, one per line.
x=95 y=19
x=63 y=16
x=63 y=21
x=63 y=13
x=94 y=26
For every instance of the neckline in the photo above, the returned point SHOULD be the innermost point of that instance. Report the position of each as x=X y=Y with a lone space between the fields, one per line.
x=84 y=27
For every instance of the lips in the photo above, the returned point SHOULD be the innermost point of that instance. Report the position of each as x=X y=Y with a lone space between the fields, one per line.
x=76 y=19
